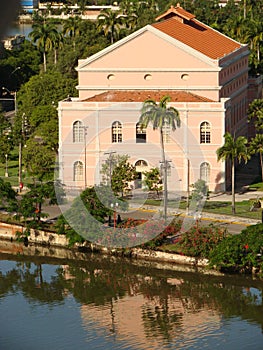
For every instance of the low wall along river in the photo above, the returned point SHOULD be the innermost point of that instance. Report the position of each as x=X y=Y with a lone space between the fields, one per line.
x=10 y=232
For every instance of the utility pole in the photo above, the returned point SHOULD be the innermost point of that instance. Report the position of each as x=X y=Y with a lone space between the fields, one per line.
x=85 y=128
x=188 y=185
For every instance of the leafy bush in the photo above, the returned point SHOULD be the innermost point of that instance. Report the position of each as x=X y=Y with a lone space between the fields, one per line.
x=240 y=253
x=199 y=241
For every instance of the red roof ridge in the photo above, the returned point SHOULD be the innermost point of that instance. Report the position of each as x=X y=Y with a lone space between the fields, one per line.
x=198 y=36
x=142 y=95
x=173 y=11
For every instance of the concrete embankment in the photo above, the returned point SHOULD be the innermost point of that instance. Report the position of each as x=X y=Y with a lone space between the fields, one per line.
x=54 y=243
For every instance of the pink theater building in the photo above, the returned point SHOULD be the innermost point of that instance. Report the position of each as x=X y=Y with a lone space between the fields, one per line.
x=203 y=71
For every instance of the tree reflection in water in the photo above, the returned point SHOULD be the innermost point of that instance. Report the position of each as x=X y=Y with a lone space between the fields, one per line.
x=159 y=302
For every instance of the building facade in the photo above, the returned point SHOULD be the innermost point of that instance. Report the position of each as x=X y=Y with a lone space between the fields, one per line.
x=204 y=72
x=29 y=5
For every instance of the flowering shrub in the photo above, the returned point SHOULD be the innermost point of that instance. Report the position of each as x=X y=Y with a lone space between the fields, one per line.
x=199 y=241
x=240 y=253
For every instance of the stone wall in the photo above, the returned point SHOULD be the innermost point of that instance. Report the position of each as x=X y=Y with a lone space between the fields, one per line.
x=8 y=232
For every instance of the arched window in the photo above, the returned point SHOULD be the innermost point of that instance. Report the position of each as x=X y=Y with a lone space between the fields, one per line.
x=78 y=132
x=141 y=163
x=78 y=169
x=205 y=172
x=140 y=134
x=205 y=132
x=116 y=132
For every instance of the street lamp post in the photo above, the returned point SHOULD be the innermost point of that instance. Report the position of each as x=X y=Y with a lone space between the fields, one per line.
x=185 y=78
x=6 y=165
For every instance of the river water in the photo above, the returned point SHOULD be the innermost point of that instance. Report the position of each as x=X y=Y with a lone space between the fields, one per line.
x=92 y=301
x=16 y=28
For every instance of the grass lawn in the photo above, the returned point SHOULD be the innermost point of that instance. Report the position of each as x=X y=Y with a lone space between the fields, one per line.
x=12 y=169
x=258 y=186
x=243 y=209
x=218 y=207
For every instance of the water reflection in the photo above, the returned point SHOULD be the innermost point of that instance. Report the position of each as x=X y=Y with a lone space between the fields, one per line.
x=133 y=306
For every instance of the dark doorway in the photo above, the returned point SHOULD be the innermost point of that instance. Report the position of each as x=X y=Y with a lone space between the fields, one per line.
x=138 y=181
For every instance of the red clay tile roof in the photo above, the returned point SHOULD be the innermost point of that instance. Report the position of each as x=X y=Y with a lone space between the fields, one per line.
x=176 y=10
x=142 y=95
x=196 y=34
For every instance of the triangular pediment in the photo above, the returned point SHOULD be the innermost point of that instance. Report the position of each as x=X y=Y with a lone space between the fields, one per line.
x=147 y=47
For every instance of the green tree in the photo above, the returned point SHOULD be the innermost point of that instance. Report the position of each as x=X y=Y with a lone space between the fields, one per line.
x=153 y=180
x=255 y=113
x=87 y=213
x=39 y=160
x=72 y=28
x=160 y=115
x=110 y=163
x=37 y=101
x=123 y=173
x=7 y=196
x=110 y=22
x=200 y=192
x=30 y=204
x=57 y=45
x=47 y=131
x=256 y=146
x=44 y=35
x=17 y=66
x=232 y=150
x=6 y=144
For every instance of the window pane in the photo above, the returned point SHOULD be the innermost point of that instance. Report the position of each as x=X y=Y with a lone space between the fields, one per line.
x=78 y=132
x=140 y=134
x=78 y=171
x=116 y=132
x=205 y=133
x=205 y=172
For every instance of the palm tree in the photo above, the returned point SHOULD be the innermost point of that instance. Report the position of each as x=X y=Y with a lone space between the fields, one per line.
x=256 y=146
x=44 y=34
x=237 y=28
x=72 y=28
x=110 y=22
x=231 y=150
x=255 y=113
x=159 y=115
x=257 y=37
x=57 y=44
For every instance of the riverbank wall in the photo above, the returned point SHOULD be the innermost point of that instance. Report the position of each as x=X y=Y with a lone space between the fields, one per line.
x=34 y=238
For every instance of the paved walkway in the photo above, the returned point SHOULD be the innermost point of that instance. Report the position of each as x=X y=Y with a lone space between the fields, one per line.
x=203 y=215
x=137 y=211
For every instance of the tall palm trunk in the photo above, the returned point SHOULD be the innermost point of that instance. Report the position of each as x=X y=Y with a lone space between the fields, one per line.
x=164 y=163
x=45 y=61
x=261 y=165
x=233 y=187
x=55 y=56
